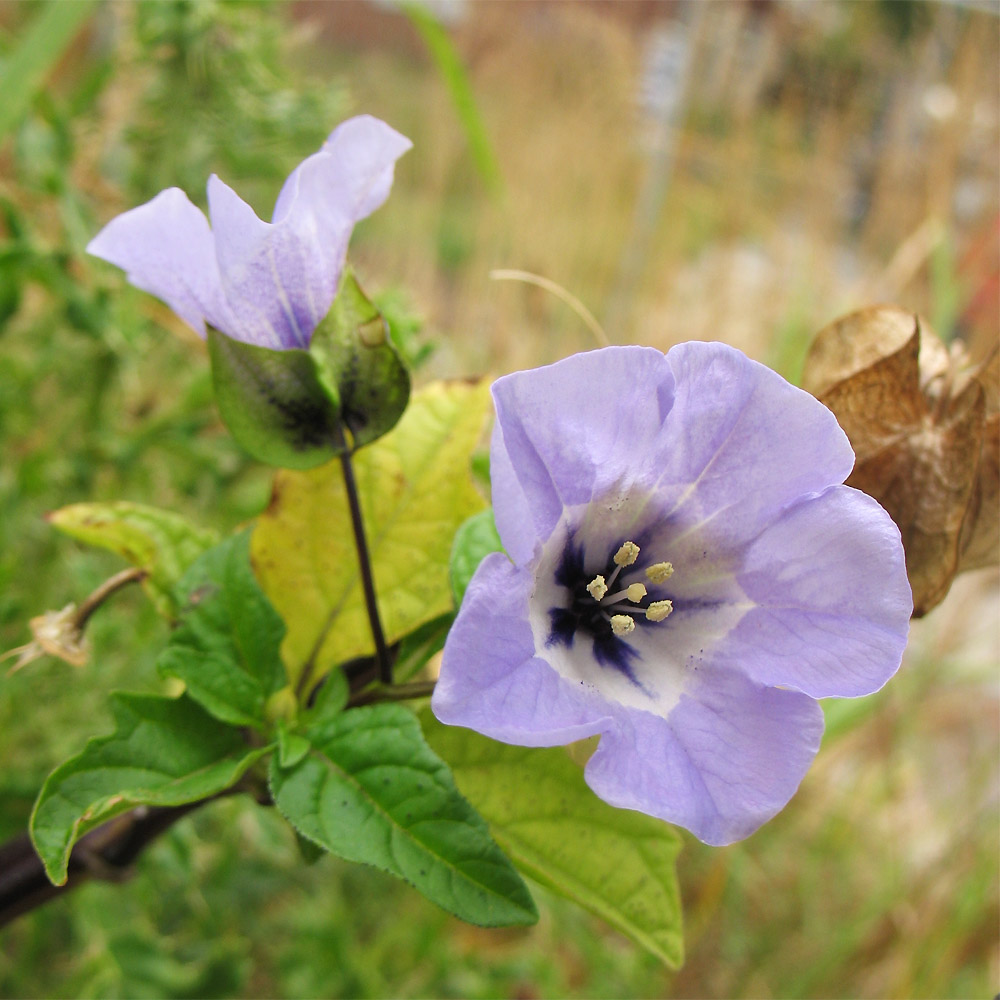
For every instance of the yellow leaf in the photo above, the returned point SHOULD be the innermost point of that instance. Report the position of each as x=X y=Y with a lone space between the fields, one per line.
x=415 y=488
x=159 y=541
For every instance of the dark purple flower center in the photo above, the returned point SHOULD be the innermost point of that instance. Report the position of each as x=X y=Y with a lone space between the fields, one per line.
x=607 y=622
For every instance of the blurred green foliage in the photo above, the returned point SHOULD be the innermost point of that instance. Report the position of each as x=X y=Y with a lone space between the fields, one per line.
x=220 y=95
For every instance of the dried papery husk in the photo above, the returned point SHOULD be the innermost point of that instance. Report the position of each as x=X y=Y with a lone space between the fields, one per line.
x=923 y=423
x=54 y=633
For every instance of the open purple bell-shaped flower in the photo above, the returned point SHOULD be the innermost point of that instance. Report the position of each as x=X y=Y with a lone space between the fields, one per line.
x=263 y=283
x=686 y=576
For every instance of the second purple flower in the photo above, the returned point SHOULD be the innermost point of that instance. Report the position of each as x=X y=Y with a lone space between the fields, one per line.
x=685 y=575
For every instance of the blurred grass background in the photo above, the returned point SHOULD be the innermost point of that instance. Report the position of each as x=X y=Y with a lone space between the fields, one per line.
x=735 y=171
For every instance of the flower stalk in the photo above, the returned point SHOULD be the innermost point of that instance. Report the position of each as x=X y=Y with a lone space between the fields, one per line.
x=364 y=563
x=104 y=591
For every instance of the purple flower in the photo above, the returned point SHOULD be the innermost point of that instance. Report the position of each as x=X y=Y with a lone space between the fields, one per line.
x=264 y=283
x=686 y=575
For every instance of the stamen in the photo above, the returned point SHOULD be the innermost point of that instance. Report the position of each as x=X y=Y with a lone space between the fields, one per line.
x=659 y=572
x=659 y=610
x=593 y=607
x=634 y=592
x=622 y=624
x=627 y=554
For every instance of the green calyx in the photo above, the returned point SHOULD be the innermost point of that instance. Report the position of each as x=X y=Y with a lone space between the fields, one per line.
x=298 y=408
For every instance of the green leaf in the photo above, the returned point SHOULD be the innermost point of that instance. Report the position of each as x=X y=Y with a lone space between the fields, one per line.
x=405 y=327
x=415 y=490
x=474 y=541
x=310 y=852
x=372 y=791
x=481 y=468
x=328 y=698
x=227 y=646
x=274 y=403
x=292 y=747
x=420 y=645
x=359 y=366
x=164 y=752
x=161 y=542
x=616 y=863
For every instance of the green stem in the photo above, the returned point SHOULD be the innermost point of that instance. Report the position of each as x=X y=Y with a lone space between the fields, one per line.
x=364 y=562
x=398 y=692
x=104 y=591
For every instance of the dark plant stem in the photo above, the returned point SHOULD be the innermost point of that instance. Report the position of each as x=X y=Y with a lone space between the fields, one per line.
x=364 y=562
x=398 y=692
x=107 y=852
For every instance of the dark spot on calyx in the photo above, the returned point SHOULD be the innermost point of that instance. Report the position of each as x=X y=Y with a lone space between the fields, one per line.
x=306 y=424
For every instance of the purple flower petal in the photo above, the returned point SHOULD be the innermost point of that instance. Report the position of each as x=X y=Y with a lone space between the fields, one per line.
x=743 y=443
x=275 y=292
x=681 y=765
x=491 y=679
x=166 y=248
x=281 y=277
x=728 y=758
x=345 y=181
x=578 y=428
x=833 y=602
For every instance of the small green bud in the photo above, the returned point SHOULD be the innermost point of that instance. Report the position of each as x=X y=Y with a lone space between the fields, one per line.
x=282 y=705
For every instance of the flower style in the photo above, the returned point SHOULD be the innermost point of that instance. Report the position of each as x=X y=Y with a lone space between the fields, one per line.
x=686 y=575
x=263 y=283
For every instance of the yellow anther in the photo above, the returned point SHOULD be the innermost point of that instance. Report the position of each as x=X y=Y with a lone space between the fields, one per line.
x=597 y=588
x=627 y=554
x=622 y=624
x=659 y=610
x=636 y=592
x=659 y=572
